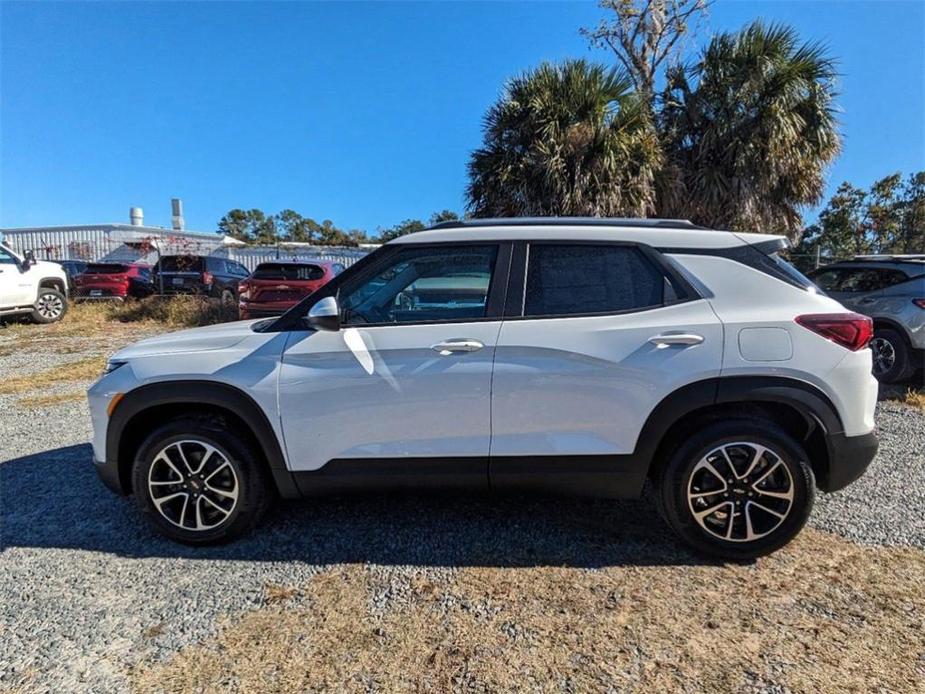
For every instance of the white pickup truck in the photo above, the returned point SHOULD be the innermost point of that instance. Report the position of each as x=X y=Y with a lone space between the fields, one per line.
x=31 y=287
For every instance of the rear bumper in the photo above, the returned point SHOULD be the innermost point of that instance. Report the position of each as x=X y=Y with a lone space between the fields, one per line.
x=849 y=457
x=109 y=473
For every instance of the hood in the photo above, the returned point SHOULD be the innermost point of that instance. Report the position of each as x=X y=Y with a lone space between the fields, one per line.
x=211 y=337
x=48 y=269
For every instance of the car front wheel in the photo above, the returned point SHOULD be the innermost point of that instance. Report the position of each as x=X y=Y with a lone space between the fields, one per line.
x=737 y=490
x=199 y=483
x=50 y=306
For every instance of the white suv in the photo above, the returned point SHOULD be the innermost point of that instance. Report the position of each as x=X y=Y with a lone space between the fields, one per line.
x=31 y=287
x=565 y=355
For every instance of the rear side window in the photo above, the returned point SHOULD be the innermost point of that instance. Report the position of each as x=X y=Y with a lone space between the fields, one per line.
x=288 y=271
x=180 y=263
x=568 y=280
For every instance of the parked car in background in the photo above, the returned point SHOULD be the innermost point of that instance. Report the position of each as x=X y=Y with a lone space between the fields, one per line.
x=891 y=290
x=198 y=274
x=275 y=287
x=30 y=287
x=73 y=268
x=583 y=356
x=114 y=281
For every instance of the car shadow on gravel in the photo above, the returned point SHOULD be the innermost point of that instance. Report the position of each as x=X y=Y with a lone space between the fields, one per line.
x=55 y=500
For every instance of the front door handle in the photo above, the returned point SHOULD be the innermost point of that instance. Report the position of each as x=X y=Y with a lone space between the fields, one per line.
x=448 y=347
x=677 y=339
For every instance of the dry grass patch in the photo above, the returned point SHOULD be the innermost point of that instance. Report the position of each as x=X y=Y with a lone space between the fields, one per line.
x=111 y=319
x=915 y=398
x=824 y=615
x=81 y=370
x=51 y=399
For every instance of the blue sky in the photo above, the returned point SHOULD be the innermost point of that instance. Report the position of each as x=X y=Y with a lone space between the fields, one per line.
x=360 y=113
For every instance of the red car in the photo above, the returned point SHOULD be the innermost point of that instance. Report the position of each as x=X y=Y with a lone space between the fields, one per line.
x=275 y=287
x=119 y=281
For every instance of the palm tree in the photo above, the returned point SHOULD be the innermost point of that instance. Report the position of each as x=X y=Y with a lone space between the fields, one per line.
x=748 y=131
x=569 y=139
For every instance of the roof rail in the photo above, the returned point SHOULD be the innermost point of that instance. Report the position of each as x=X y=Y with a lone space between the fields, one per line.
x=569 y=221
x=891 y=256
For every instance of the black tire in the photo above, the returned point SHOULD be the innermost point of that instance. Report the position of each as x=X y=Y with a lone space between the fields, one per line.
x=890 y=346
x=674 y=482
x=255 y=491
x=50 y=306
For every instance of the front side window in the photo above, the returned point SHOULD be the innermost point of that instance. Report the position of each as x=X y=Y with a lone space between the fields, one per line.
x=448 y=283
x=6 y=258
x=565 y=280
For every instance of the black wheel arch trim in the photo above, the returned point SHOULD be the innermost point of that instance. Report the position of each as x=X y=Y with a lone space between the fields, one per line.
x=211 y=393
x=809 y=401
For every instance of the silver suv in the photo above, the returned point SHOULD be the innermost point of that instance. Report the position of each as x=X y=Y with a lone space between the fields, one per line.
x=891 y=290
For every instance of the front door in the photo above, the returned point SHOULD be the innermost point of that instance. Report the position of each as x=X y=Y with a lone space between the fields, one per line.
x=15 y=286
x=401 y=394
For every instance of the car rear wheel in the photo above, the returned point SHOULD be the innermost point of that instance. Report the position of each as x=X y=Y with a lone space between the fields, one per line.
x=737 y=490
x=892 y=362
x=50 y=306
x=199 y=483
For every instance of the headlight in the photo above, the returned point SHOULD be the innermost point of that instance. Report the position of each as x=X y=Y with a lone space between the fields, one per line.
x=112 y=365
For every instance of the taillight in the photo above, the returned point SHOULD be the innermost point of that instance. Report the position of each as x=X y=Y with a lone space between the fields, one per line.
x=207 y=278
x=919 y=302
x=850 y=330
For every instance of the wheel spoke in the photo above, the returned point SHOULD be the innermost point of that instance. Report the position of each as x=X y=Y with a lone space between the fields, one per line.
x=186 y=464
x=766 y=509
x=766 y=474
x=225 y=512
x=787 y=496
x=215 y=472
x=198 y=513
x=222 y=493
x=708 y=466
x=164 y=499
x=759 y=452
x=700 y=515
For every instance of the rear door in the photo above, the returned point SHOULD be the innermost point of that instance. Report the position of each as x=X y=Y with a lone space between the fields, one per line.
x=594 y=336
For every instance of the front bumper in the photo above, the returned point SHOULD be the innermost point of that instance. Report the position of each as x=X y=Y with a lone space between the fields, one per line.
x=109 y=473
x=849 y=457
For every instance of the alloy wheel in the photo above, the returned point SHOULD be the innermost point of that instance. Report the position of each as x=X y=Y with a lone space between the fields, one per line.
x=193 y=485
x=49 y=306
x=740 y=492
x=884 y=355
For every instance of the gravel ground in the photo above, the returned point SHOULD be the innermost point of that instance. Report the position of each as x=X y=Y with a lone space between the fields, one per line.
x=86 y=590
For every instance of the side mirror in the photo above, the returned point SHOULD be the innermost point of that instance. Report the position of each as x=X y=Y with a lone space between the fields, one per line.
x=324 y=315
x=28 y=260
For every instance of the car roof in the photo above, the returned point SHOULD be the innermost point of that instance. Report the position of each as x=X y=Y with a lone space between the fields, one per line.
x=911 y=265
x=290 y=261
x=662 y=233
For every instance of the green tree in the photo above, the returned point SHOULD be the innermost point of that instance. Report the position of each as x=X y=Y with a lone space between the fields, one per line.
x=294 y=227
x=568 y=139
x=235 y=225
x=749 y=131
x=250 y=226
x=443 y=216
x=409 y=226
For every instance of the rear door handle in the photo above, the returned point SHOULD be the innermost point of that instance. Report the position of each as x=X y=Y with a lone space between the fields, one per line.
x=677 y=339
x=448 y=347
